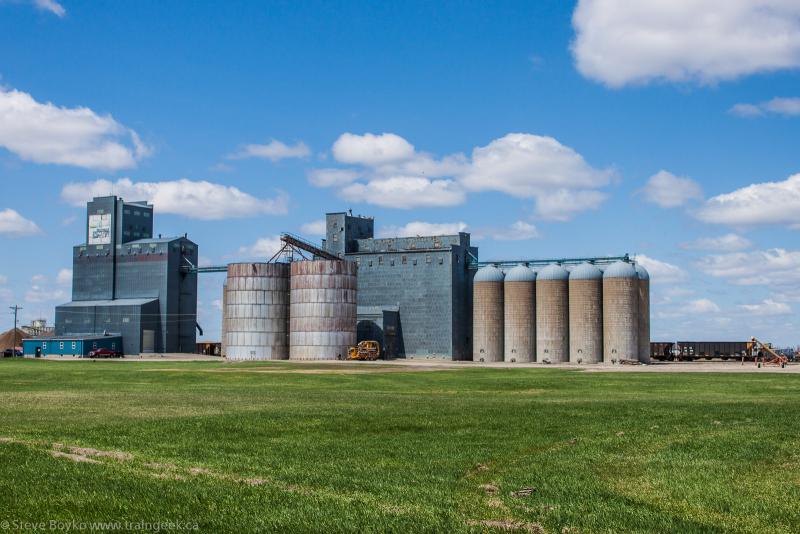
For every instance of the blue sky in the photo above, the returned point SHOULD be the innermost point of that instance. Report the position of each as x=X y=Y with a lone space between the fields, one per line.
x=547 y=129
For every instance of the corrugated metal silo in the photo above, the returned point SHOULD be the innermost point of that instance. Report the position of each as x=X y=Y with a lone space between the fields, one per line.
x=257 y=311
x=323 y=309
x=519 y=301
x=222 y=351
x=620 y=312
x=552 y=314
x=487 y=320
x=644 y=314
x=586 y=314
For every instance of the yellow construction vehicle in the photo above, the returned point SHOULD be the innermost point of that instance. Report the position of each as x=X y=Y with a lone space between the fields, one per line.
x=365 y=350
x=764 y=352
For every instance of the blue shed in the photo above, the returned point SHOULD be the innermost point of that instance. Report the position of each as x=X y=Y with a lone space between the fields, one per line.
x=71 y=345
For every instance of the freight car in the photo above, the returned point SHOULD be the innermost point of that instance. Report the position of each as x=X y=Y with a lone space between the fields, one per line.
x=698 y=350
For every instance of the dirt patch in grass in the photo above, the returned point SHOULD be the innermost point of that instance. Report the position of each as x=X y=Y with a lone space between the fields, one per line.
x=509 y=526
x=73 y=457
x=116 y=455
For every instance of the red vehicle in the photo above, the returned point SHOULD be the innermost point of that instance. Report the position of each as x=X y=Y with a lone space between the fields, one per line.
x=104 y=353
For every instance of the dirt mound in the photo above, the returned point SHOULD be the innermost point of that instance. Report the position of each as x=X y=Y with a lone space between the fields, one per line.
x=7 y=339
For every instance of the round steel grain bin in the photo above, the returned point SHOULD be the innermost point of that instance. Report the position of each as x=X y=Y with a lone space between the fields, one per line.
x=323 y=309
x=585 y=314
x=552 y=314
x=257 y=311
x=644 y=313
x=487 y=318
x=620 y=312
x=519 y=301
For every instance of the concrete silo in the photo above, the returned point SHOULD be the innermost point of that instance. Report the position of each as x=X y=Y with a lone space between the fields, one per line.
x=487 y=318
x=552 y=314
x=620 y=312
x=323 y=309
x=644 y=313
x=585 y=314
x=256 y=317
x=222 y=351
x=519 y=301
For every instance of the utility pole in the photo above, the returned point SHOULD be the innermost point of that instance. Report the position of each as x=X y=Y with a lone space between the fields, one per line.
x=16 y=309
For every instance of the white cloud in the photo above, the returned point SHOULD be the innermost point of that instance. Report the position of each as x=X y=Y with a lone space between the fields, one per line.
x=767 y=307
x=371 y=150
x=773 y=267
x=3 y=279
x=778 y=106
x=661 y=272
x=52 y=6
x=420 y=228
x=194 y=199
x=518 y=231
x=670 y=191
x=12 y=224
x=45 y=133
x=314 y=228
x=392 y=173
x=405 y=192
x=723 y=243
x=332 y=177
x=40 y=291
x=264 y=248
x=274 y=151
x=622 y=42
x=702 y=306
x=64 y=277
x=763 y=203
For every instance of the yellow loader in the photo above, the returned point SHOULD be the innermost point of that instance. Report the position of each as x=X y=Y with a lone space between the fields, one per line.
x=365 y=350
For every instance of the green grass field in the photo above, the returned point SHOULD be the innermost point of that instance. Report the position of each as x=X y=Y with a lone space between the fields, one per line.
x=302 y=448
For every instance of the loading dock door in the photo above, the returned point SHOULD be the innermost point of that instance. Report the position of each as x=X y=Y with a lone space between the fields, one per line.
x=148 y=340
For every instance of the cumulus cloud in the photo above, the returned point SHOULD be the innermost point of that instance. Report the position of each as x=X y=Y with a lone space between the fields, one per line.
x=762 y=203
x=702 y=306
x=40 y=291
x=263 y=248
x=767 y=307
x=420 y=228
x=620 y=42
x=193 y=199
x=274 y=151
x=315 y=228
x=46 y=133
x=391 y=172
x=723 y=243
x=64 y=277
x=517 y=231
x=669 y=191
x=51 y=6
x=371 y=150
x=789 y=107
x=405 y=192
x=773 y=267
x=12 y=224
x=661 y=272
x=332 y=177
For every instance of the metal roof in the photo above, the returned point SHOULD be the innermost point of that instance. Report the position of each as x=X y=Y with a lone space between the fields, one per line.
x=521 y=273
x=642 y=272
x=585 y=271
x=115 y=302
x=620 y=269
x=490 y=273
x=553 y=272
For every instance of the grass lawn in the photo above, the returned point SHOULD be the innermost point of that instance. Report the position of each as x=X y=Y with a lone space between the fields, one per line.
x=301 y=448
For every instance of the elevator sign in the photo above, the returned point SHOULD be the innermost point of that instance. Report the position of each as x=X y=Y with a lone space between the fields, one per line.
x=100 y=229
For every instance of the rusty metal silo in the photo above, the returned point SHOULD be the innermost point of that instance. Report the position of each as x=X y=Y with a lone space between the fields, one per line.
x=323 y=309
x=256 y=316
x=519 y=301
x=487 y=320
x=644 y=313
x=552 y=314
x=620 y=312
x=585 y=314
